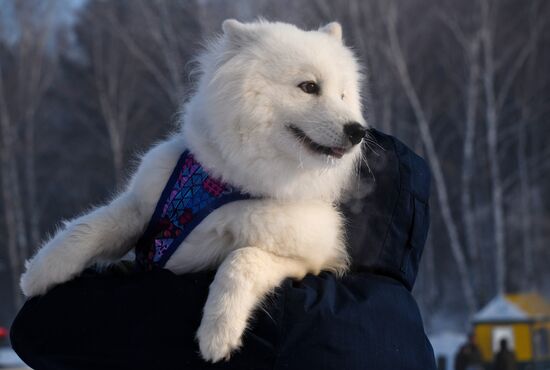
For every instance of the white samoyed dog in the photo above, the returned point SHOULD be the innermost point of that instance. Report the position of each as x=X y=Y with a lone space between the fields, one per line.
x=276 y=114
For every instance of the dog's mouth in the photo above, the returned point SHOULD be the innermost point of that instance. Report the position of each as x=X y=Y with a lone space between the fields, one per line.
x=315 y=147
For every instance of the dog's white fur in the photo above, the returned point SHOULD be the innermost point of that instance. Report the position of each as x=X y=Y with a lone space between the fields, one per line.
x=236 y=126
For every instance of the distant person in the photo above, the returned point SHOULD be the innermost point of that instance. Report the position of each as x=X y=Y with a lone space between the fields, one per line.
x=441 y=363
x=469 y=356
x=505 y=358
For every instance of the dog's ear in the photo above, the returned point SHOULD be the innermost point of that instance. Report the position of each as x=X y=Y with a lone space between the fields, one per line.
x=334 y=29
x=237 y=32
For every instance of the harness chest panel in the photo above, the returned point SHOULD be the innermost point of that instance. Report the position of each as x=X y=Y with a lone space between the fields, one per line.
x=190 y=195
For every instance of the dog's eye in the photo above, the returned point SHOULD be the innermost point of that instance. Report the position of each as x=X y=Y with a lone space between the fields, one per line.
x=310 y=87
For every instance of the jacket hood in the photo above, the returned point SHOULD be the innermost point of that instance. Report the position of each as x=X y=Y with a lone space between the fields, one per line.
x=387 y=212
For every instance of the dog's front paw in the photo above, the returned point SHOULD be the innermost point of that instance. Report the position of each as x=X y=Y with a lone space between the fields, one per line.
x=218 y=338
x=33 y=282
x=42 y=275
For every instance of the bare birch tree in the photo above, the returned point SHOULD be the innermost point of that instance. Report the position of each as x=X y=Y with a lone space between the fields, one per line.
x=495 y=99
x=400 y=64
x=161 y=37
x=35 y=73
x=528 y=116
x=16 y=234
x=23 y=84
x=470 y=46
x=114 y=79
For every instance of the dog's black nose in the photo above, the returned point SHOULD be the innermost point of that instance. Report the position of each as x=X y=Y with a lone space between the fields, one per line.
x=355 y=132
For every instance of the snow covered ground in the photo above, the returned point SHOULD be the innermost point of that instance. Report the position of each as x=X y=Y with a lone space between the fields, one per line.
x=10 y=360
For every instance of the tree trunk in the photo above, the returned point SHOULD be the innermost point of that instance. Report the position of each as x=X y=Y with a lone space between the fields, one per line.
x=16 y=236
x=468 y=152
x=33 y=211
x=492 y=148
x=526 y=221
x=117 y=148
x=433 y=159
x=9 y=216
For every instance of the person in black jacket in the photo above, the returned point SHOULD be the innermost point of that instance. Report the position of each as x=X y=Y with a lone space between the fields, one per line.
x=366 y=320
x=505 y=359
x=469 y=356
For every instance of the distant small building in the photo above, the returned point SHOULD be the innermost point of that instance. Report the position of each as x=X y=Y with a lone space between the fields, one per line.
x=524 y=321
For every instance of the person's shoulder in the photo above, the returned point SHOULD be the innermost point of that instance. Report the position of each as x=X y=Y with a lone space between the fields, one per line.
x=353 y=315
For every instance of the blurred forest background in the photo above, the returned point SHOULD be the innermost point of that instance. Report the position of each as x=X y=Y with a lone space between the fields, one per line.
x=85 y=85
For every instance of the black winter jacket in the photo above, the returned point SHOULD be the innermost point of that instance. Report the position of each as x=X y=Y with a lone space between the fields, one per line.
x=365 y=320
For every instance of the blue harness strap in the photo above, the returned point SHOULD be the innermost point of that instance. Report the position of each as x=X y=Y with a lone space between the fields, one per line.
x=190 y=195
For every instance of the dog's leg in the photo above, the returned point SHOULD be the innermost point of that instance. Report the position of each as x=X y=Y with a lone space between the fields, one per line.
x=242 y=280
x=105 y=233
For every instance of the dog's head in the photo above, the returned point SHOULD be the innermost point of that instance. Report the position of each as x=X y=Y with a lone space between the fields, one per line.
x=272 y=97
x=276 y=87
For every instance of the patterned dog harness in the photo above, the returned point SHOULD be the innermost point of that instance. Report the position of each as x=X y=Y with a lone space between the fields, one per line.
x=190 y=195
